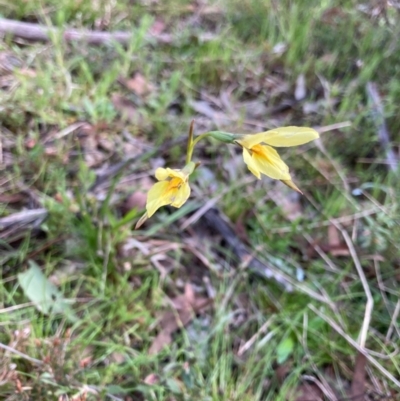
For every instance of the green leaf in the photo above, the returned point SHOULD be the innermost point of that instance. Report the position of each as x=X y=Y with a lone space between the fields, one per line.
x=173 y=385
x=285 y=349
x=43 y=293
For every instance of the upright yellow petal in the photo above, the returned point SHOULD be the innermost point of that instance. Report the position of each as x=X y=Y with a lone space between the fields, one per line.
x=164 y=173
x=161 y=174
x=289 y=136
x=178 y=174
x=248 y=141
x=267 y=161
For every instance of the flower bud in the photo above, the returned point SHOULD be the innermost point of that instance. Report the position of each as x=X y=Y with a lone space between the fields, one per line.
x=221 y=136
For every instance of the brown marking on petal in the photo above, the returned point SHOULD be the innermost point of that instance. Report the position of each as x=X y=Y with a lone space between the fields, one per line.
x=175 y=184
x=259 y=151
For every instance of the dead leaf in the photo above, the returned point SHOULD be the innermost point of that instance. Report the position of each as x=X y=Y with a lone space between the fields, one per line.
x=333 y=236
x=185 y=308
x=138 y=84
x=282 y=372
x=125 y=107
x=158 y=27
x=27 y=72
x=307 y=392
x=137 y=200
x=85 y=362
x=357 y=390
x=201 y=9
x=240 y=229
x=203 y=107
x=151 y=379
x=79 y=397
x=336 y=247
x=105 y=142
x=93 y=156
x=12 y=198
x=163 y=339
x=118 y=358
x=333 y=15
x=30 y=143
x=9 y=62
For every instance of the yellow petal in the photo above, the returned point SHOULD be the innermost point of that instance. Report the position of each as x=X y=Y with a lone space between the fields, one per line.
x=161 y=174
x=164 y=173
x=267 y=161
x=248 y=141
x=181 y=195
x=141 y=221
x=280 y=137
x=250 y=163
x=289 y=136
x=158 y=196
x=292 y=185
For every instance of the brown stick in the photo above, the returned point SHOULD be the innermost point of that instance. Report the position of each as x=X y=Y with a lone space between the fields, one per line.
x=35 y=32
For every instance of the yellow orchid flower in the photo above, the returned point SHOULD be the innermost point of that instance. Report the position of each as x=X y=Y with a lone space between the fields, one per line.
x=172 y=189
x=262 y=158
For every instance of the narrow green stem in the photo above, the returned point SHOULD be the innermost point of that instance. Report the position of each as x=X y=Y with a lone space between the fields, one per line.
x=190 y=151
x=190 y=145
x=200 y=137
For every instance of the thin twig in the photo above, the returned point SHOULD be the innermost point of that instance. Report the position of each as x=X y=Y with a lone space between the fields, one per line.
x=370 y=301
x=320 y=145
x=36 y=32
x=332 y=127
x=66 y=131
x=386 y=302
x=326 y=391
x=1 y=152
x=362 y=350
x=24 y=217
x=39 y=33
x=248 y=344
x=393 y=322
x=200 y=212
x=379 y=119
x=322 y=254
x=16 y=307
x=343 y=219
x=326 y=388
x=28 y=358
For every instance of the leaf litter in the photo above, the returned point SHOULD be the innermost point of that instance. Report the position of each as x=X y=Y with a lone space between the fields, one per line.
x=184 y=307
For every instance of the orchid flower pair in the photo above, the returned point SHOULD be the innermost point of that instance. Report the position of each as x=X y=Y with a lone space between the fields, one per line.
x=173 y=187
